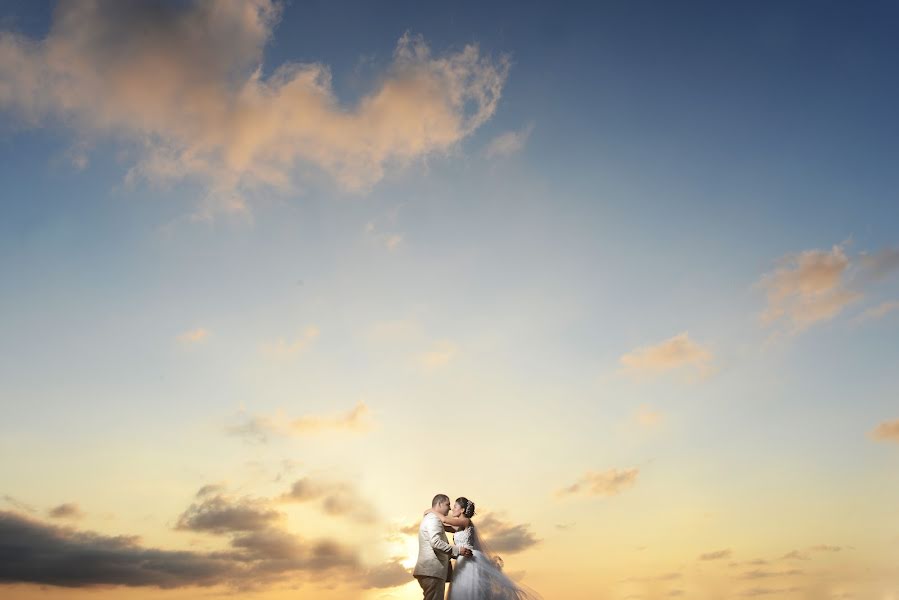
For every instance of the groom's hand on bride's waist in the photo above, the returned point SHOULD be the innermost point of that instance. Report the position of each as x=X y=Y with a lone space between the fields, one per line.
x=464 y=551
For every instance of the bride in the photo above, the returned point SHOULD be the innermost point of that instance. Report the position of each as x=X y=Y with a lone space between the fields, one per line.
x=480 y=576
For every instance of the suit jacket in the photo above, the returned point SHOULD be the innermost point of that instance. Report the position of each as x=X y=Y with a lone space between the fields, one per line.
x=434 y=550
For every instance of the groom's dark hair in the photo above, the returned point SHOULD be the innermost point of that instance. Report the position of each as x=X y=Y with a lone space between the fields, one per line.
x=438 y=499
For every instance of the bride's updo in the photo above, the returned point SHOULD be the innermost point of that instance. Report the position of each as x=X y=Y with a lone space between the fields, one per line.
x=467 y=506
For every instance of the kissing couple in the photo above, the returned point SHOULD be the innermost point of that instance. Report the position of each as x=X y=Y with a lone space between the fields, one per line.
x=477 y=576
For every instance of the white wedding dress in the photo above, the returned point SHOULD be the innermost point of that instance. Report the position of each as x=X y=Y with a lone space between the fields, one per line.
x=479 y=577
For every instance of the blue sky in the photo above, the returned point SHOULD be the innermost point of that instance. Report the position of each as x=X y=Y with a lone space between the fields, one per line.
x=572 y=286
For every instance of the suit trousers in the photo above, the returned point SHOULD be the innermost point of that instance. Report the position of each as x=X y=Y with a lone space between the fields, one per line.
x=433 y=587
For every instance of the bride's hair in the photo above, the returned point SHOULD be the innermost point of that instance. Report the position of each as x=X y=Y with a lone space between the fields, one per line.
x=467 y=506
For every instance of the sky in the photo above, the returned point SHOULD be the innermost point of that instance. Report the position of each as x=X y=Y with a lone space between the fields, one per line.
x=274 y=274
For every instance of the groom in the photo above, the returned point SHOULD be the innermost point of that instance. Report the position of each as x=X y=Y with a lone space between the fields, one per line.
x=433 y=568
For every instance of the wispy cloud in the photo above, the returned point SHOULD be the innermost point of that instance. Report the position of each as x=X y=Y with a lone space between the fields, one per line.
x=194 y=336
x=762 y=574
x=758 y=591
x=184 y=84
x=19 y=505
x=878 y=312
x=647 y=417
x=390 y=240
x=676 y=352
x=716 y=555
x=602 y=483
x=510 y=142
x=440 y=354
x=670 y=576
x=283 y=348
x=260 y=428
x=888 y=431
x=881 y=264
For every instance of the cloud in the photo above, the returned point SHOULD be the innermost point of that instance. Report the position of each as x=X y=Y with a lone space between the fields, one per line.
x=825 y=548
x=387 y=575
x=647 y=417
x=754 y=562
x=261 y=552
x=220 y=514
x=878 y=266
x=182 y=86
x=762 y=574
x=808 y=288
x=795 y=555
x=261 y=428
x=410 y=529
x=337 y=498
x=390 y=240
x=606 y=483
x=69 y=510
x=716 y=555
x=676 y=352
x=671 y=576
x=35 y=552
x=505 y=537
x=285 y=349
x=193 y=336
x=18 y=504
x=210 y=489
x=441 y=354
x=888 y=431
x=767 y=591
x=509 y=143
x=879 y=311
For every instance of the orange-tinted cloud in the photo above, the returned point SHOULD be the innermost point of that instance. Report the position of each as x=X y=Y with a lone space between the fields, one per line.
x=441 y=354
x=260 y=428
x=647 y=417
x=183 y=84
x=807 y=288
x=888 y=431
x=603 y=483
x=675 y=352
x=194 y=336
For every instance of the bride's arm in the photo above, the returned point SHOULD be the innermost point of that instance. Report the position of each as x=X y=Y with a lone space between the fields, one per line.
x=461 y=522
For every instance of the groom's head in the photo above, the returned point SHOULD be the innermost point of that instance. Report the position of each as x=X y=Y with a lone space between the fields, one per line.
x=441 y=504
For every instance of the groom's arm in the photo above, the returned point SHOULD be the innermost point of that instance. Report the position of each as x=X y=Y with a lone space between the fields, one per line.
x=435 y=535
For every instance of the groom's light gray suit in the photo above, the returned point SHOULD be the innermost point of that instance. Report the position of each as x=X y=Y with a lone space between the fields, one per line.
x=433 y=568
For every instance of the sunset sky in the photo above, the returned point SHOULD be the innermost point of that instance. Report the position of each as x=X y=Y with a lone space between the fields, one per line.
x=273 y=275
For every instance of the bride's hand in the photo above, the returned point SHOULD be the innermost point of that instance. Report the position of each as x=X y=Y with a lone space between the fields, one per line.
x=430 y=510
